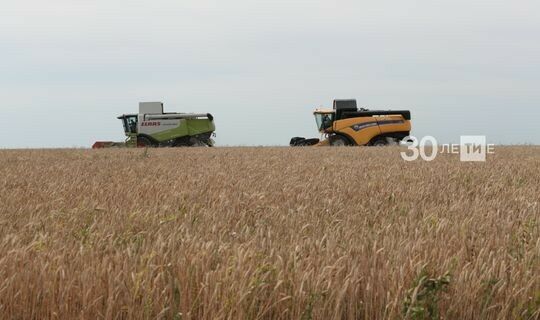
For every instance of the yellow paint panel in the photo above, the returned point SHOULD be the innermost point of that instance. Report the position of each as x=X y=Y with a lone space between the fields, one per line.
x=363 y=129
x=362 y=136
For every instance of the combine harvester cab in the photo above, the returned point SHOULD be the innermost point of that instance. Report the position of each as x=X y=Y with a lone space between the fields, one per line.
x=152 y=127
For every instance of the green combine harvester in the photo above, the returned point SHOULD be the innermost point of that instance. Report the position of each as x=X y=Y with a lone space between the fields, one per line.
x=152 y=127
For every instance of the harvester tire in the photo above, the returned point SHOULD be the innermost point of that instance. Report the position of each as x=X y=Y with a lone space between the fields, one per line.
x=144 y=142
x=379 y=142
x=196 y=142
x=339 y=141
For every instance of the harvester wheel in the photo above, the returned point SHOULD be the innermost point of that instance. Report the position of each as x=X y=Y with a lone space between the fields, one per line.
x=339 y=141
x=379 y=142
x=181 y=142
x=144 y=142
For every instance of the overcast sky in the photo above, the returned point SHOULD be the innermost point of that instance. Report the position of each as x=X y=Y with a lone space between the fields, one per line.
x=68 y=68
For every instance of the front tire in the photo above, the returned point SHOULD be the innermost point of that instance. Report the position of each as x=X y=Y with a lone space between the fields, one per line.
x=144 y=142
x=339 y=141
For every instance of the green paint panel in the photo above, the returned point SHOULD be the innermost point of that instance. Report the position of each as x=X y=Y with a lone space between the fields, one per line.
x=187 y=127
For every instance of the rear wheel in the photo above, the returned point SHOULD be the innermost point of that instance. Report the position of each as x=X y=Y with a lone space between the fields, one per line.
x=181 y=142
x=144 y=142
x=379 y=142
x=339 y=141
x=196 y=142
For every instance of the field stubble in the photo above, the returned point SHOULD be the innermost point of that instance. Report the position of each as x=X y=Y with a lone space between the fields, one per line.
x=268 y=233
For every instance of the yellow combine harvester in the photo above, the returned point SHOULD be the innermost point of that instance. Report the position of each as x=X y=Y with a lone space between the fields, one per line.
x=346 y=125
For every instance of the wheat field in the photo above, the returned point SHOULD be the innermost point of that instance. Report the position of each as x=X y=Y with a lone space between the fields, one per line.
x=268 y=233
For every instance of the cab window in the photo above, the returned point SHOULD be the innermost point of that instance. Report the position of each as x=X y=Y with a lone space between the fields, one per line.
x=324 y=120
x=130 y=124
